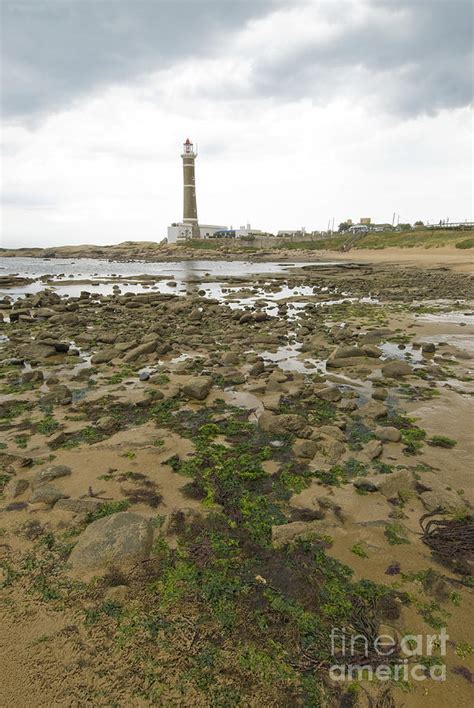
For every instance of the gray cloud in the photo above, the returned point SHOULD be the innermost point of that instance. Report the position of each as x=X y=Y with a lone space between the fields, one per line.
x=411 y=56
x=415 y=57
x=57 y=50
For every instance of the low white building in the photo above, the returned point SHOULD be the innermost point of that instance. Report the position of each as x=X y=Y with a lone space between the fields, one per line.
x=208 y=230
x=177 y=233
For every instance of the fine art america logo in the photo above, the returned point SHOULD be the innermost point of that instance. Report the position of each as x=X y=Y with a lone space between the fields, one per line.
x=414 y=657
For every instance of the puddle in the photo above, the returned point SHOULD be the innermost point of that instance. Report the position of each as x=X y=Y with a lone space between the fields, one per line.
x=391 y=350
x=454 y=317
x=459 y=341
x=287 y=359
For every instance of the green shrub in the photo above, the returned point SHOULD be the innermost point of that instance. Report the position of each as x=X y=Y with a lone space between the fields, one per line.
x=442 y=441
x=467 y=243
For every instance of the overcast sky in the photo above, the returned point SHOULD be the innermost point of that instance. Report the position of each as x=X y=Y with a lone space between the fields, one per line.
x=303 y=110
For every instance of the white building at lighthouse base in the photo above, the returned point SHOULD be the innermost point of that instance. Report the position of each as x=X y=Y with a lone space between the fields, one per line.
x=177 y=233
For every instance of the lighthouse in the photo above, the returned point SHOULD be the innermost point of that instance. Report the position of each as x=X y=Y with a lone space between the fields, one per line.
x=190 y=216
x=189 y=227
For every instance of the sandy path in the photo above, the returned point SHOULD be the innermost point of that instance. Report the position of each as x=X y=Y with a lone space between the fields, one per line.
x=453 y=258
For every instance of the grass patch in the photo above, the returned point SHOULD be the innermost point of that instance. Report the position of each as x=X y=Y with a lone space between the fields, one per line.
x=442 y=441
x=395 y=534
x=47 y=426
x=107 y=509
x=466 y=243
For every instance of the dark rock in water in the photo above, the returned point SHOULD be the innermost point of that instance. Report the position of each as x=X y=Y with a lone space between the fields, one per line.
x=428 y=348
x=61 y=347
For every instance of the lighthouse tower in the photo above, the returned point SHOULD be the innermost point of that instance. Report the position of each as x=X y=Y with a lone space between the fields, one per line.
x=190 y=216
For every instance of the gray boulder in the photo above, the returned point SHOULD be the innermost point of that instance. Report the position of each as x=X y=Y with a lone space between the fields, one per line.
x=329 y=393
x=104 y=356
x=58 y=394
x=390 y=484
x=396 y=369
x=388 y=434
x=141 y=350
x=347 y=352
x=197 y=387
x=372 y=351
x=47 y=494
x=39 y=351
x=373 y=449
x=117 y=540
x=53 y=472
x=373 y=409
x=32 y=376
x=284 y=424
x=305 y=448
x=445 y=500
x=16 y=487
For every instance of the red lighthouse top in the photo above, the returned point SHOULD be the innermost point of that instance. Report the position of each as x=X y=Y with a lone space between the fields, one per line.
x=188 y=148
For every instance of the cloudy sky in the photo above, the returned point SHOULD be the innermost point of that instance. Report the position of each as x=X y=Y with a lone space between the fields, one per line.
x=303 y=111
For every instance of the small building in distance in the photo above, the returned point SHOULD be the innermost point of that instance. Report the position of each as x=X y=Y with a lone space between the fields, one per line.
x=358 y=229
x=246 y=231
x=291 y=232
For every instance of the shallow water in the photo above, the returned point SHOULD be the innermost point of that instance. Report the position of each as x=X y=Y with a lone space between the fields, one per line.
x=93 y=268
x=189 y=276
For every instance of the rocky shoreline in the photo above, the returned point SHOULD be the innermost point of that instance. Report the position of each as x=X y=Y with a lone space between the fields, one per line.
x=206 y=486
